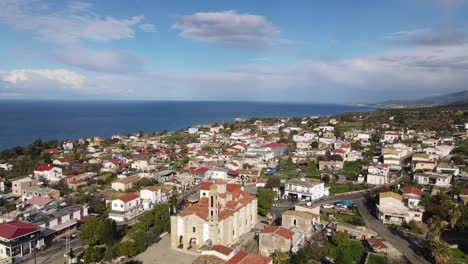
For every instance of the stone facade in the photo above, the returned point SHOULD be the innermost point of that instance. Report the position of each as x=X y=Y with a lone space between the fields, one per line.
x=221 y=218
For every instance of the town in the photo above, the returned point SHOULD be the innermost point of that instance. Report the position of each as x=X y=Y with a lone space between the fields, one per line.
x=388 y=186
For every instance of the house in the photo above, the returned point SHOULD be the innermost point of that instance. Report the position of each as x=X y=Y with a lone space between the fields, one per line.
x=20 y=184
x=150 y=196
x=193 y=130
x=52 y=174
x=2 y=185
x=52 y=151
x=126 y=207
x=40 y=202
x=55 y=217
x=205 y=188
x=261 y=183
x=63 y=161
x=411 y=196
x=275 y=238
x=434 y=179
x=17 y=239
x=391 y=210
x=448 y=168
x=392 y=136
x=220 y=252
x=216 y=174
x=125 y=183
x=142 y=162
x=74 y=185
x=378 y=174
x=305 y=189
x=37 y=191
x=300 y=220
x=330 y=165
x=277 y=149
x=220 y=218
x=6 y=166
x=424 y=162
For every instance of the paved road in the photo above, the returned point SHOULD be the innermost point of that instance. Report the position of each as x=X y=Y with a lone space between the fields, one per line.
x=406 y=246
x=54 y=254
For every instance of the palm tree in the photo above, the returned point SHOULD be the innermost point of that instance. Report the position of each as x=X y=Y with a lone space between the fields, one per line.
x=441 y=253
x=455 y=215
x=436 y=226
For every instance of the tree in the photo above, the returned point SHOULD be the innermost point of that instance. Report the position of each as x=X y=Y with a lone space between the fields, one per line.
x=441 y=253
x=280 y=257
x=314 y=144
x=454 y=214
x=265 y=200
x=94 y=254
x=173 y=199
x=341 y=239
x=436 y=226
x=98 y=231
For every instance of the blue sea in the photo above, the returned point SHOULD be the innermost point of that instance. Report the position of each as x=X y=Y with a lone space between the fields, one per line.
x=24 y=121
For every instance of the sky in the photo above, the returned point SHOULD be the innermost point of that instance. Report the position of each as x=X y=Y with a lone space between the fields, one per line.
x=289 y=51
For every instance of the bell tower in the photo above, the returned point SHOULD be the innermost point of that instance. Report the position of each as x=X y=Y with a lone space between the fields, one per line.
x=213 y=204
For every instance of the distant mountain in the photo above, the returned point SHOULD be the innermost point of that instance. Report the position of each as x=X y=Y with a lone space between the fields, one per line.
x=452 y=99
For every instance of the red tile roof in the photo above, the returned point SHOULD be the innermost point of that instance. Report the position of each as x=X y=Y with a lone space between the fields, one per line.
x=200 y=170
x=205 y=186
x=50 y=151
x=279 y=231
x=245 y=258
x=128 y=197
x=412 y=190
x=222 y=249
x=77 y=182
x=40 y=200
x=15 y=229
x=340 y=151
x=44 y=168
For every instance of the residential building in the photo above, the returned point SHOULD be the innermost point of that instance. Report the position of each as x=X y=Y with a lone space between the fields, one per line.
x=391 y=210
x=434 y=179
x=411 y=196
x=150 y=196
x=125 y=183
x=37 y=191
x=300 y=220
x=52 y=174
x=378 y=174
x=6 y=166
x=20 y=184
x=126 y=207
x=277 y=148
x=18 y=239
x=275 y=238
x=221 y=218
x=216 y=174
x=305 y=189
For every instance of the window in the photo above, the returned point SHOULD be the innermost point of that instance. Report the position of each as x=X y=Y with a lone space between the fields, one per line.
x=294 y=221
x=194 y=229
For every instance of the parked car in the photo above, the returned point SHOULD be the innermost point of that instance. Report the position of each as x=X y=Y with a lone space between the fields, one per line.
x=328 y=206
x=344 y=212
x=340 y=207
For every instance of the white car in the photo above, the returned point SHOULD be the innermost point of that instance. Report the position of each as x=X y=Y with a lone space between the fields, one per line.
x=341 y=207
x=328 y=206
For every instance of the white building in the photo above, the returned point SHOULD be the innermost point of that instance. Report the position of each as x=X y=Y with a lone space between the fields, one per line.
x=378 y=174
x=150 y=196
x=6 y=166
x=126 y=207
x=308 y=189
x=434 y=179
x=52 y=174
x=391 y=210
x=216 y=174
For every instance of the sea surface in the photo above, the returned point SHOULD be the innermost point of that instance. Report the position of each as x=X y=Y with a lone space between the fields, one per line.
x=21 y=122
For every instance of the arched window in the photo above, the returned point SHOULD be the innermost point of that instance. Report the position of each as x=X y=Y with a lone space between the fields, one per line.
x=194 y=229
x=294 y=221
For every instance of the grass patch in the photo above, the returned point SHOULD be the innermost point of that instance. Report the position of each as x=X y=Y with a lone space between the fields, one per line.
x=459 y=256
x=344 y=187
x=354 y=218
x=411 y=227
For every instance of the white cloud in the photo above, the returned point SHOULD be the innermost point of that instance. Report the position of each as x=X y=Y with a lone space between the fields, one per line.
x=407 y=33
x=228 y=28
x=148 y=27
x=99 y=60
x=61 y=77
x=71 y=25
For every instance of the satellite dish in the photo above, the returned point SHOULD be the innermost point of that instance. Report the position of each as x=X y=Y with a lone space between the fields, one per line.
x=208 y=243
